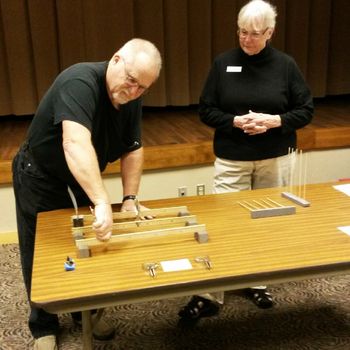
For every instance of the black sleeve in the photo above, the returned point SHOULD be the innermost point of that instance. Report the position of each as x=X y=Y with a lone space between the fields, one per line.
x=75 y=101
x=133 y=138
x=132 y=134
x=300 y=101
x=209 y=102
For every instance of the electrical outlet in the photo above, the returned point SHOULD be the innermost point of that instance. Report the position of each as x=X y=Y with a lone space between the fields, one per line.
x=200 y=189
x=182 y=191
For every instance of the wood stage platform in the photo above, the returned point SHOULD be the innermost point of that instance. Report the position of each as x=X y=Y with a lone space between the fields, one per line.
x=175 y=137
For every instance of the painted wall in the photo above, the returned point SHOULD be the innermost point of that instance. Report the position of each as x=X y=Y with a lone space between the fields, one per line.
x=322 y=166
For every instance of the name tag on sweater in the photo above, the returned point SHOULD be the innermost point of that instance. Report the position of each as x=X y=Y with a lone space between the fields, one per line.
x=234 y=69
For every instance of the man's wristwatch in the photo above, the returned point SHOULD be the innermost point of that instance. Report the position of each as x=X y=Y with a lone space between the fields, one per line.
x=129 y=196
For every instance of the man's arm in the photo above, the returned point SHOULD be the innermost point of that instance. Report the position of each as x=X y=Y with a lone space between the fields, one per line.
x=131 y=169
x=82 y=162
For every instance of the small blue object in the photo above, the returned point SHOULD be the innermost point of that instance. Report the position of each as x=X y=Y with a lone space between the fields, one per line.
x=69 y=264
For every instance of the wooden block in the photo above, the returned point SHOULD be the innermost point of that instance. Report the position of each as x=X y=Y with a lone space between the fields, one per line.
x=83 y=251
x=78 y=233
x=201 y=236
x=191 y=220
x=298 y=200
x=263 y=213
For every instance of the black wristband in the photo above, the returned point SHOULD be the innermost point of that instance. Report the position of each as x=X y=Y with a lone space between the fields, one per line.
x=129 y=196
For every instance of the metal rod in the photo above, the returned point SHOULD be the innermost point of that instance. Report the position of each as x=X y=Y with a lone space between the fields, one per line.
x=305 y=171
x=300 y=171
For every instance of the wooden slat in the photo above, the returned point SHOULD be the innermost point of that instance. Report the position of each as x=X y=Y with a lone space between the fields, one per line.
x=90 y=242
x=158 y=212
x=189 y=219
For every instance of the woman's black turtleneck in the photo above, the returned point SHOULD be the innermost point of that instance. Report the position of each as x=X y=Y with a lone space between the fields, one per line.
x=268 y=82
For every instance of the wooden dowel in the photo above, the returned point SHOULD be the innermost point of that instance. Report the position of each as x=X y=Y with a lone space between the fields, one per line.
x=267 y=203
x=260 y=204
x=274 y=202
x=254 y=207
x=244 y=206
x=247 y=206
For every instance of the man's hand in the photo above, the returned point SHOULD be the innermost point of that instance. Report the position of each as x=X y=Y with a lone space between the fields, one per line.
x=103 y=221
x=135 y=206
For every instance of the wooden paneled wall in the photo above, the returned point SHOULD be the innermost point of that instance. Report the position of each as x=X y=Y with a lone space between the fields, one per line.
x=39 y=38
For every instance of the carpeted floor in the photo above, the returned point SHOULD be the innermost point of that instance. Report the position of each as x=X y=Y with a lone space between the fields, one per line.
x=312 y=314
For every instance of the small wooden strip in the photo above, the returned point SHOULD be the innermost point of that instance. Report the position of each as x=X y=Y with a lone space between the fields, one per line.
x=263 y=213
x=298 y=200
x=190 y=220
x=90 y=242
x=260 y=204
x=248 y=205
x=244 y=206
x=266 y=201
x=274 y=202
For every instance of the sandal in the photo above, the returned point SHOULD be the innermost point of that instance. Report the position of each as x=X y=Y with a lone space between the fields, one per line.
x=199 y=307
x=260 y=297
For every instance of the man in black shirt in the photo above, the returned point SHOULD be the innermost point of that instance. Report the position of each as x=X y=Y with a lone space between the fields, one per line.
x=90 y=116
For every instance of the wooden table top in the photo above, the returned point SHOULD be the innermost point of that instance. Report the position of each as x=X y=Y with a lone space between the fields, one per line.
x=243 y=251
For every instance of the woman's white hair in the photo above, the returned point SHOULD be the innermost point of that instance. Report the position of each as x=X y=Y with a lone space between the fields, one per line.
x=257 y=15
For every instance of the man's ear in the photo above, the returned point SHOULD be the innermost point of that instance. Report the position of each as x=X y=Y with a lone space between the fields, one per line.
x=115 y=58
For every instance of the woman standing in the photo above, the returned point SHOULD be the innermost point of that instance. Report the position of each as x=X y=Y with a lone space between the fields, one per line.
x=255 y=98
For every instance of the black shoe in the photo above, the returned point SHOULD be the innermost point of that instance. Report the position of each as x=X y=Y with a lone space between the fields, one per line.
x=260 y=297
x=199 y=307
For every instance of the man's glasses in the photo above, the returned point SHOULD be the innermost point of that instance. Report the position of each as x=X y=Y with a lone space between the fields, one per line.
x=132 y=82
x=255 y=35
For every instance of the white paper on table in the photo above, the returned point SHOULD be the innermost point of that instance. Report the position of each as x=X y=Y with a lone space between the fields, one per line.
x=343 y=188
x=176 y=265
x=345 y=229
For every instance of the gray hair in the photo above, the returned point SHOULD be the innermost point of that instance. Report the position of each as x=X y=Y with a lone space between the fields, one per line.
x=257 y=15
x=138 y=48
